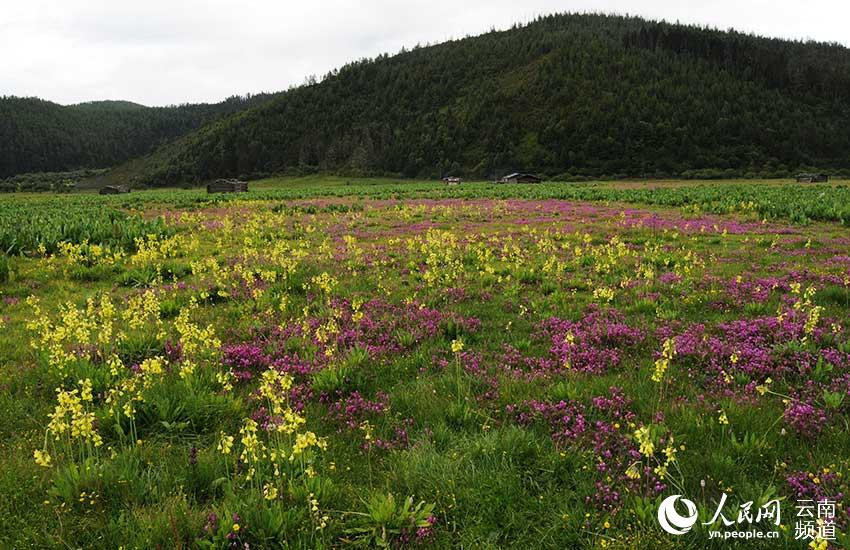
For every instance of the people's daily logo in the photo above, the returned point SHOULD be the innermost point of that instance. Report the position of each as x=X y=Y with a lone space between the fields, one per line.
x=670 y=519
x=815 y=520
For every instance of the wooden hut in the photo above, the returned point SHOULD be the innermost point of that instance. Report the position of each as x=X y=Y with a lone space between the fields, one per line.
x=227 y=186
x=452 y=180
x=114 y=190
x=521 y=177
x=812 y=178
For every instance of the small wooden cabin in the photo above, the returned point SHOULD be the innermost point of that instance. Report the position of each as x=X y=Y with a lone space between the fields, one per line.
x=812 y=178
x=521 y=177
x=452 y=180
x=114 y=190
x=227 y=186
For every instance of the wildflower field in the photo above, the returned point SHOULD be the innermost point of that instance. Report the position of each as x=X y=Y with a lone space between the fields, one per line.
x=326 y=363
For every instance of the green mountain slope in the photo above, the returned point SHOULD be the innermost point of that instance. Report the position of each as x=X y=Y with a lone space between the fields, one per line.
x=583 y=95
x=575 y=95
x=41 y=136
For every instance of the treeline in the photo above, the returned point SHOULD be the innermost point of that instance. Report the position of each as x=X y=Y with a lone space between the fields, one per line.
x=41 y=136
x=567 y=96
x=58 y=182
x=805 y=69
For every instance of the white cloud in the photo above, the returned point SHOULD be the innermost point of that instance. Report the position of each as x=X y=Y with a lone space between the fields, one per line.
x=171 y=51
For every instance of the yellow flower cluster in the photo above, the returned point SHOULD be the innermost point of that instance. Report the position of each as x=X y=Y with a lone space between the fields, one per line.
x=213 y=274
x=143 y=309
x=668 y=352
x=127 y=391
x=274 y=388
x=764 y=388
x=443 y=264
x=152 y=249
x=225 y=444
x=304 y=441
x=457 y=345
x=356 y=313
x=368 y=430
x=669 y=457
x=284 y=449
x=643 y=436
x=644 y=439
x=88 y=255
x=71 y=417
x=324 y=284
x=152 y=368
x=607 y=256
x=62 y=341
x=42 y=458
x=319 y=520
x=804 y=304
x=354 y=254
x=253 y=449
x=270 y=491
x=604 y=294
x=197 y=344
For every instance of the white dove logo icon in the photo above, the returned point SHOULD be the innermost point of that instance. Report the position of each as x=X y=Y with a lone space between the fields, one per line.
x=671 y=521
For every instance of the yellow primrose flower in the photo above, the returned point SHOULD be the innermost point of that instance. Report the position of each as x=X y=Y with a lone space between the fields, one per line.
x=269 y=492
x=225 y=444
x=668 y=352
x=633 y=471
x=42 y=458
x=647 y=448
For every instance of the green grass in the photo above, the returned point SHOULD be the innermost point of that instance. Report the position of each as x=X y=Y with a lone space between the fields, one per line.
x=449 y=438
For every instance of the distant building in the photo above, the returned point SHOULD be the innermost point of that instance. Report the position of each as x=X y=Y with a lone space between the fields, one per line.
x=520 y=177
x=812 y=178
x=452 y=180
x=227 y=186
x=114 y=190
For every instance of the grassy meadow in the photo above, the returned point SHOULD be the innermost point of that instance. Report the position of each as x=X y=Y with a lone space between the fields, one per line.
x=328 y=362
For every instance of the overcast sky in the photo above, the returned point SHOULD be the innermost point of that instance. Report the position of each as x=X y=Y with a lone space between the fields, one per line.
x=159 y=52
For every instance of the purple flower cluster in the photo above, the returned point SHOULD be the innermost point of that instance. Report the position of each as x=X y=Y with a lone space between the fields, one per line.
x=599 y=428
x=473 y=364
x=233 y=536
x=380 y=327
x=245 y=360
x=353 y=409
x=414 y=535
x=173 y=352
x=758 y=345
x=211 y=526
x=566 y=420
x=815 y=486
x=821 y=485
x=805 y=419
x=592 y=344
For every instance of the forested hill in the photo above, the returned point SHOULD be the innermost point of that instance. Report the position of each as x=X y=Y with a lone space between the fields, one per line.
x=586 y=95
x=41 y=136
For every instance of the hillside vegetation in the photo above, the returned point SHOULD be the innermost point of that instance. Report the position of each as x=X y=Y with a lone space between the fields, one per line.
x=566 y=95
x=42 y=136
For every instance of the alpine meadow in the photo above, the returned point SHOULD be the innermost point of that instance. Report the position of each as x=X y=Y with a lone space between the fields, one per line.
x=579 y=283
